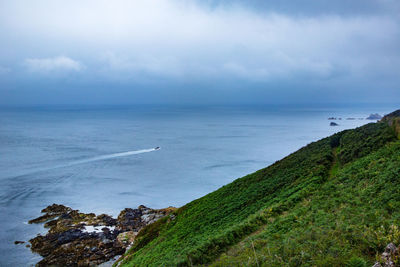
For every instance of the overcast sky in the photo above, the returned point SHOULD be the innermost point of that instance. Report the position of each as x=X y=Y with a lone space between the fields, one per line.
x=199 y=52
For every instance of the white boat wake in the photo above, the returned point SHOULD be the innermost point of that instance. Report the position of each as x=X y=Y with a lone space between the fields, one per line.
x=88 y=160
x=109 y=156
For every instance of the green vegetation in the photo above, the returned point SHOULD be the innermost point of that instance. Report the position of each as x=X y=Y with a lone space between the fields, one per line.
x=335 y=202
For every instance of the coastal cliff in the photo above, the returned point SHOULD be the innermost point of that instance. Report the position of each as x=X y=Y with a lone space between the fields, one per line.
x=335 y=202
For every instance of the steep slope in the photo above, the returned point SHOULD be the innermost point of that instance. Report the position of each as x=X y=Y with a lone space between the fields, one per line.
x=355 y=214
x=332 y=200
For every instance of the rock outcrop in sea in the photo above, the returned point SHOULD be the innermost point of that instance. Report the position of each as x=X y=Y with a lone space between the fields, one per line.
x=374 y=116
x=80 y=239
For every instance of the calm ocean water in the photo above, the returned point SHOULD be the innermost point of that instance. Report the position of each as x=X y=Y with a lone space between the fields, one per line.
x=62 y=155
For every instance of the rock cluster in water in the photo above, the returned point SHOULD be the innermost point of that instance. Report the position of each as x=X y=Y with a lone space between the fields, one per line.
x=374 y=116
x=76 y=238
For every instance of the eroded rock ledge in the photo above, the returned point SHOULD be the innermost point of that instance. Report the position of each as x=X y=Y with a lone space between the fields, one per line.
x=76 y=238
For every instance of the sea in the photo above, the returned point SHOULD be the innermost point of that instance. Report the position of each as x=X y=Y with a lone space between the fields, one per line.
x=102 y=159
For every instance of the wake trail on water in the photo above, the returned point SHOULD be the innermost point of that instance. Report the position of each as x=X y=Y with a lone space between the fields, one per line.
x=88 y=160
x=109 y=156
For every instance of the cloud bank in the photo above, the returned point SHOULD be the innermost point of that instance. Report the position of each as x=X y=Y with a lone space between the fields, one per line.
x=61 y=63
x=160 y=45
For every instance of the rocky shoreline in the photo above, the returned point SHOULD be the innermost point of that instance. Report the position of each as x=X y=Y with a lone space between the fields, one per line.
x=80 y=239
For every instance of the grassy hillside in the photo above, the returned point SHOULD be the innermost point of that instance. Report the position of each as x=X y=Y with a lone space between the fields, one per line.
x=333 y=202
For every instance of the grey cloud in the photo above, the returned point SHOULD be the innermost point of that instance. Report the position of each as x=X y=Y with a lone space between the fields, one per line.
x=59 y=63
x=312 y=7
x=164 y=47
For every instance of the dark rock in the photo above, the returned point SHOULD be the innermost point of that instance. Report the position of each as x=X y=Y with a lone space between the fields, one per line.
x=65 y=216
x=71 y=235
x=42 y=219
x=333 y=124
x=131 y=219
x=56 y=209
x=19 y=242
x=108 y=220
x=51 y=212
x=50 y=224
x=331 y=118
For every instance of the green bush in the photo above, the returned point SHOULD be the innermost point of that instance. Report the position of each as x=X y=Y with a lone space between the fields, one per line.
x=356 y=262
